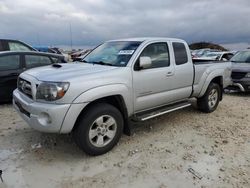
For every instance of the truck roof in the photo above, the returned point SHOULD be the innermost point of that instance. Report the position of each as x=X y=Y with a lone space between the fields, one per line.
x=148 y=39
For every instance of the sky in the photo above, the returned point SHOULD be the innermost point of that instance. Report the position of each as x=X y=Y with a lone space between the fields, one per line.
x=90 y=22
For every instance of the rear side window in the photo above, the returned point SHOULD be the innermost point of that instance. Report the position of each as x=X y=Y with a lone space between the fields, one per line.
x=9 y=62
x=36 y=61
x=180 y=53
x=16 y=46
x=159 y=54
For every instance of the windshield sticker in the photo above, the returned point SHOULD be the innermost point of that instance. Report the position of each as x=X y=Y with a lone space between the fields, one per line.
x=126 y=52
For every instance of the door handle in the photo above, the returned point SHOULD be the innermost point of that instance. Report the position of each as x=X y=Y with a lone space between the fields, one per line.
x=169 y=74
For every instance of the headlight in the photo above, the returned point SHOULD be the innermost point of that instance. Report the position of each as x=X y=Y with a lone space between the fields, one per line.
x=248 y=75
x=51 y=91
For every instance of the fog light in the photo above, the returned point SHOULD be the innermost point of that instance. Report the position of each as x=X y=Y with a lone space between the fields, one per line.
x=44 y=119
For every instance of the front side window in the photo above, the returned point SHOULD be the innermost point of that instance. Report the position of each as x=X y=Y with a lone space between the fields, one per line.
x=115 y=53
x=36 y=61
x=180 y=53
x=9 y=62
x=16 y=46
x=159 y=54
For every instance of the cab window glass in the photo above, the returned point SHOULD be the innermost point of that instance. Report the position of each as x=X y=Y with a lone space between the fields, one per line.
x=10 y=62
x=159 y=54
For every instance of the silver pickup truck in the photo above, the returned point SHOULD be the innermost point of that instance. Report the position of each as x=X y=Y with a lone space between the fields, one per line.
x=118 y=82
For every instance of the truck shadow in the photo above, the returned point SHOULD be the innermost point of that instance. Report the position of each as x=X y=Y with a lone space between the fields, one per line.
x=51 y=147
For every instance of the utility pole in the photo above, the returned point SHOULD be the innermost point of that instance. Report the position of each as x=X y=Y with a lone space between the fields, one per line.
x=71 y=43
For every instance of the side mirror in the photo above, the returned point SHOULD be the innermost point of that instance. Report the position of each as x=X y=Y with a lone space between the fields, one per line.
x=145 y=62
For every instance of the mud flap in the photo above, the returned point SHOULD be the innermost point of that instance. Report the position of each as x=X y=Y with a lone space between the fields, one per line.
x=127 y=130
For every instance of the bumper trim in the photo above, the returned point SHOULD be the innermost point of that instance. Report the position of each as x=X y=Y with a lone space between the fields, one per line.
x=40 y=116
x=239 y=86
x=21 y=109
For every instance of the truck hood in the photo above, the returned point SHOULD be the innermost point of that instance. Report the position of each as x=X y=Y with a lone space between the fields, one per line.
x=241 y=67
x=66 y=71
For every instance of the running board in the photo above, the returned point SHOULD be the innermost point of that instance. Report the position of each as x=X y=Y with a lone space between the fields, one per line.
x=143 y=116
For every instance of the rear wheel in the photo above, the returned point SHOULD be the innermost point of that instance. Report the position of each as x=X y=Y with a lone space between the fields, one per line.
x=209 y=102
x=99 y=129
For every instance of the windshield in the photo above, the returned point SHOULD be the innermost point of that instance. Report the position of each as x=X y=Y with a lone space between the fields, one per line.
x=241 y=57
x=115 y=53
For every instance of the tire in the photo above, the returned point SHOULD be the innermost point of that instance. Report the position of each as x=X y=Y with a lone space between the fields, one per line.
x=209 y=102
x=99 y=129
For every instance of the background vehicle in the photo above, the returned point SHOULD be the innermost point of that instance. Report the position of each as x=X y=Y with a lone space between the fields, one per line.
x=14 y=45
x=202 y=52
x=219 y=56
x=77 y=56
x=241 y=71
x=14 y=63
x=121 y=80
x=53 y=50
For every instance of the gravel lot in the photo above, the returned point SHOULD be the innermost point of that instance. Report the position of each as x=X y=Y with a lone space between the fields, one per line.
x=182 y=149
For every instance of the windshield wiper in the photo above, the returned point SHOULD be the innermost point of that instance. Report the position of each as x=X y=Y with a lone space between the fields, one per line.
x=102 y=63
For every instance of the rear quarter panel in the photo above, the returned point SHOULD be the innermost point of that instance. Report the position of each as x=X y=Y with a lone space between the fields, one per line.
x=206 y=72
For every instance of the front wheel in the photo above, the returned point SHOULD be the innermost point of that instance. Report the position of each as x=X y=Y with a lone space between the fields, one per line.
x=209 y=102
x=99 y=129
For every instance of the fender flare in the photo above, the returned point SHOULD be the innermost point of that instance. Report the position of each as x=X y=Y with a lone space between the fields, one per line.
x=210 y=77
x=93 y=94
x=105 y=91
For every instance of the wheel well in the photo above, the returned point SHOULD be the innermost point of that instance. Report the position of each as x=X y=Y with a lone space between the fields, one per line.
x=219 y=80
x=115 y=100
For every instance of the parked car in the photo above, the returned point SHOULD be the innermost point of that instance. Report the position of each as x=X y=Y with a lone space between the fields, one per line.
x=241 y=71
x=219 y=56
x=53 y=50
x=14 y=63
x=45 y=49
x=14 y=45
x=203 y=52
x=77 y=56
x=121 y=80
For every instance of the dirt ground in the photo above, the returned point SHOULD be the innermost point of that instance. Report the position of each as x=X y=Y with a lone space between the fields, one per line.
x=182 y=149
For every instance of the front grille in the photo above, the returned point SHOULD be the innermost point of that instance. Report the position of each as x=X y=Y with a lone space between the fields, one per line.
x=25 y=87
x=238 y=75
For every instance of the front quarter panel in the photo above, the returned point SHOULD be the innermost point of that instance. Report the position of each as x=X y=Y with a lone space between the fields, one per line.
x=91 y=95
x=105 y=91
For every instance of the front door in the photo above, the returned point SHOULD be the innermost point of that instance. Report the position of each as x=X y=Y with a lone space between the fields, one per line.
x=153 y=86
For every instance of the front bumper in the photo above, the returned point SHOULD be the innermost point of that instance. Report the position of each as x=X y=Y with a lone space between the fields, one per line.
x=40 y=116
